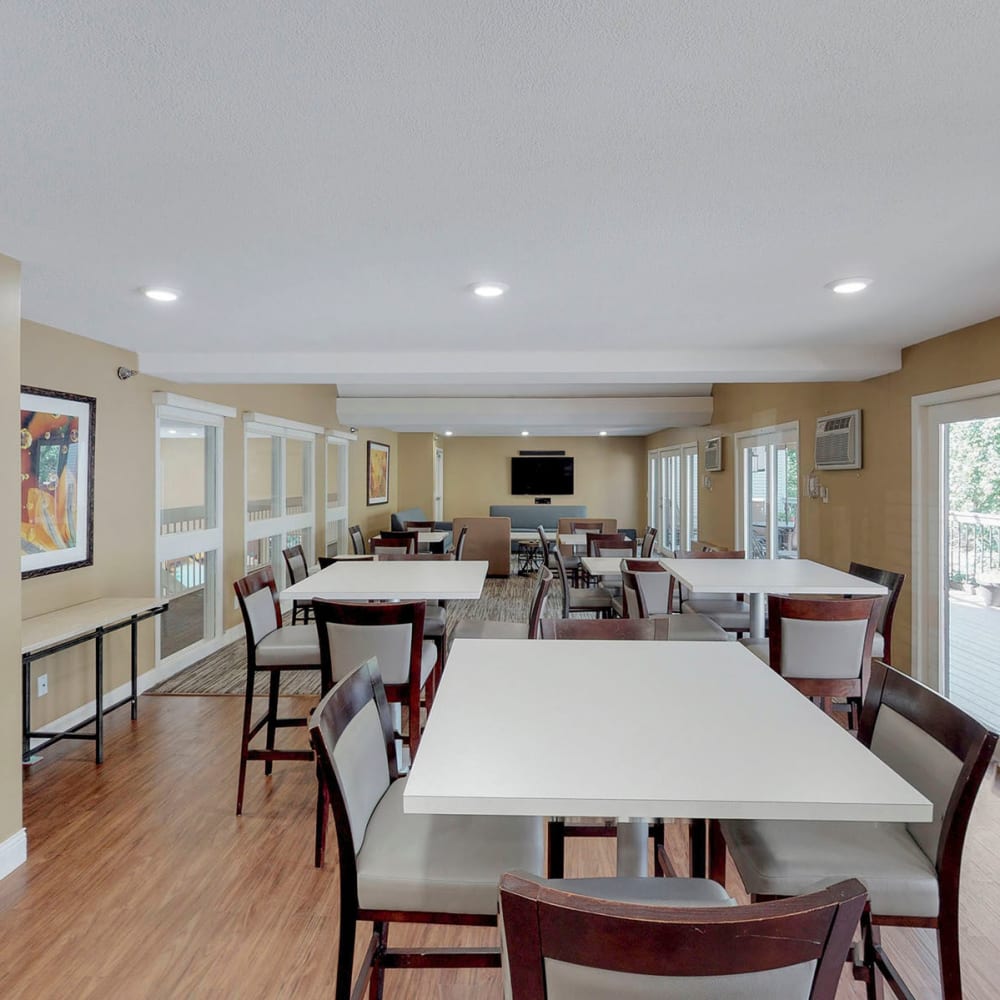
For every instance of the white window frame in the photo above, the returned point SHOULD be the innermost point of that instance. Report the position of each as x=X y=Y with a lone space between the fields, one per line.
x=773 y=437
x=279 y=525
x=660 y=487
x=177 y=545
x=338 y=513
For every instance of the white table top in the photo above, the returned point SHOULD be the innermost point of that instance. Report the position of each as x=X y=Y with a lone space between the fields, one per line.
x=393 y=579
x=774 y=576
x=682 y=729
x=68 y=623
x=427 y=537
x=524 y=535
x=576 y=540
x=602 y=565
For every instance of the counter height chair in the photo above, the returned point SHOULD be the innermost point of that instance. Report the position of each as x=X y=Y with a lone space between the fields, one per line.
x=297 y=569
x=730 y=611
x=893 y=582
x=823 y=648
x=271 y=648
x=570 y=563
x=389 y=545
x=419 y=526
x=912 y=870
x=357 y=539
x=398 y=867
x=615 y=543
x=460 y=542
x=673 y=939
x=581 y=599
x=648 y=541
x=477 y=628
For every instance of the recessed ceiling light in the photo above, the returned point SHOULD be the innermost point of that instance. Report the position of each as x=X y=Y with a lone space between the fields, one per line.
x=489 y=289
x=171 y=431
x=524 y=434
x=448 y=434
x=160 y=294
x=602 y=434
x=849 y=286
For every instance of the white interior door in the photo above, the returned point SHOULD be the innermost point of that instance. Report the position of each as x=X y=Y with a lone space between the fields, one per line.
x=438 y=484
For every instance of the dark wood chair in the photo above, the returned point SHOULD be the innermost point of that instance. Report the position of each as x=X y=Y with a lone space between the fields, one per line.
x=271 y=648
x=823 y=648
x=477 y=628
x=460 y=542
x=645 y=589
x=325 y=561
x=615 y=543
x=392 y=544
x=392 y=632
x=298 y=569
x=648 y=541
x=357 y=539
x=412 y=538
x=418 y=525
x=571 y=564
x=730 y=611
x=912 y=870
x=893 y=582
x=596 y=600
x=598 y=937
x=397 y=867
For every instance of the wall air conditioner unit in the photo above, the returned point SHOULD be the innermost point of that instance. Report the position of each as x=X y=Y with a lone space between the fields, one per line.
x=713 y=455
x=838 y=441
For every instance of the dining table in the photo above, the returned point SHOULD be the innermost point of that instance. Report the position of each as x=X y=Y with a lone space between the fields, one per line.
x=759 y=577
x=632 y=730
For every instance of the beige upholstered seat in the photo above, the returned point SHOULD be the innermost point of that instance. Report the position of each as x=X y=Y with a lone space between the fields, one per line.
x=291 y=646
x=397 y=866
x=912 y=870
x=592 y=939
x=475 y=628
x=694 y=628
x=587 y=599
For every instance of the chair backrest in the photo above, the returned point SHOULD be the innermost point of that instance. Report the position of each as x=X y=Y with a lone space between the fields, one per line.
x=351 y=634
x=617 y=541
x=257 y=595
x=821 y=639
x=352 y=734
x=357 y=539
x=936 y=747
x=893 y=582
x=545 y=543
x=642 y=629
x=713 y=553
x=648 y=540
x=418 y=525
x=563 y=578
x=543 y=581
x=561 y=945
x=646 y=588
x=460 y=543
x=410 y=536
x=295 y=563
x=614 y=551
x=582 y=527
x=390 y=545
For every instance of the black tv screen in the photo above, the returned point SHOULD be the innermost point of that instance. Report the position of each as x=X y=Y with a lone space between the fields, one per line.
x=541 y=476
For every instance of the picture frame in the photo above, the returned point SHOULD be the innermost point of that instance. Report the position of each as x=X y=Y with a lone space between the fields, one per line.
x=377 y=473
x=58 y=435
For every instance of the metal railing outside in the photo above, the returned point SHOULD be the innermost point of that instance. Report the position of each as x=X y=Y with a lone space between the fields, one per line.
x=973 y=547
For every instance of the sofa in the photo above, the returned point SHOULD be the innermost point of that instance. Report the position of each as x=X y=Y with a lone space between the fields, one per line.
x=528 y=516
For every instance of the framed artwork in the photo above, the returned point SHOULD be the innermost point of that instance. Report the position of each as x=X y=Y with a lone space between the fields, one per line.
x=57 y=481
x=378 y=473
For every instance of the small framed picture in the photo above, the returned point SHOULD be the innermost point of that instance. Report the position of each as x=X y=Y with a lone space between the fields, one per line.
x=378 y=473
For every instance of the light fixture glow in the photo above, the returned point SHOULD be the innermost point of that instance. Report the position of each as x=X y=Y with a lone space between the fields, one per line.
x=602 y=434
x=160 y=294
x=849 y=286
x=489 y=289
x=524 y=434
x=448 y=434
x=171 y=431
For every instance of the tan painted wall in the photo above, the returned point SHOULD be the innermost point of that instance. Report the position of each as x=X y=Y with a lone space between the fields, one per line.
x=182 y=472
x=868 y=518
x=416 y=471
x=609 y=475
x=124 y=549
x=10 y=607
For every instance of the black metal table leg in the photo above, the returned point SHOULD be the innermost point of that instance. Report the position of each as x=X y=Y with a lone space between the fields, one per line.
x=26 y=709
x=135 y=667
x=99 y=695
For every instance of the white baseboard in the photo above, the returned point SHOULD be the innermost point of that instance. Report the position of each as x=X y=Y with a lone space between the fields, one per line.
x=147 y=680
x=13 y=852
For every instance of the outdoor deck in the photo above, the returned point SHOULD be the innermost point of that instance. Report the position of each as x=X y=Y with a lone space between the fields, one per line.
x=974 y=658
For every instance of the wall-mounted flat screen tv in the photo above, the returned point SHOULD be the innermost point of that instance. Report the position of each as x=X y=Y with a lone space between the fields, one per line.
x=541 y=475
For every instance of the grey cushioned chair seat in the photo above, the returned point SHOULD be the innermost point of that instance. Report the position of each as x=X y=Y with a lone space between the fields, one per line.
x=293 y=645
x=428 y=657
x=760 y=648
x=878 y=645
x=787 y=858
x=442 y=864
x=734 y=615
x=683 y=892
x=583 y=598
x=474 y=628
x=435 y=620
x=694 y=628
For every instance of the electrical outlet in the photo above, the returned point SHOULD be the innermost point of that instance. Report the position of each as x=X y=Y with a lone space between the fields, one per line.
x=43 y=685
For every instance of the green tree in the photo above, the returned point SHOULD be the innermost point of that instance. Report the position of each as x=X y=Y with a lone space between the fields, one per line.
x=974 y=466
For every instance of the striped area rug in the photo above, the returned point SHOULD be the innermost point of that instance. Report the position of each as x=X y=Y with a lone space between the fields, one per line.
x=224 y=672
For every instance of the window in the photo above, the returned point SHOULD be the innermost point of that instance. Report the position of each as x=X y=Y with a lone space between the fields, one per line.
x=673 y=495
x=280 y=460
x=337 y=445
x=189 y=525
x=767 y=492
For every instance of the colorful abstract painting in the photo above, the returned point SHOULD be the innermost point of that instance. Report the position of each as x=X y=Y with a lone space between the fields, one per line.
x=57 y=481
x=378 y=473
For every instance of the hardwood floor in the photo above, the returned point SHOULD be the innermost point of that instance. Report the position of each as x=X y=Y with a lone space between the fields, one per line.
x=142 y=882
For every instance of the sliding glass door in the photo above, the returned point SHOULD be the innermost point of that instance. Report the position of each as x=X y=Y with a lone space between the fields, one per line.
x=673 y=495
x=767 y=492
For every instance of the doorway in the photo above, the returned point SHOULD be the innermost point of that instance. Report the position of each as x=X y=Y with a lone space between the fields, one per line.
x=767 y=492
x=438 y=484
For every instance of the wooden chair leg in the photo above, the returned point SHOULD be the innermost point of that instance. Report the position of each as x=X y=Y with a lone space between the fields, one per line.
x=376 y=985
x=345 y=951
x=716 y=853
x=696 y=839
x=322 y=816
x=413 y=721
x=870 y=942
x=948 y=953
x=272 y=716
x=245 y=740
x=657 y=830
x=556 y=836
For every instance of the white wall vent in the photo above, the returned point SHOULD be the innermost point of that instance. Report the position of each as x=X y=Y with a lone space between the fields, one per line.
x=713 y=455
x=838 y=441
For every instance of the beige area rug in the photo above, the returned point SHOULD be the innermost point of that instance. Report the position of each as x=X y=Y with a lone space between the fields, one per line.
x=224 y=672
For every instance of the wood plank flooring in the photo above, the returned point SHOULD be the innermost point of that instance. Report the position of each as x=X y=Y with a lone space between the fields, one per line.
x=142 y=883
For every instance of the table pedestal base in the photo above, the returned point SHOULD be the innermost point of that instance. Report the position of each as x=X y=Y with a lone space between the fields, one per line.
x=633 y=848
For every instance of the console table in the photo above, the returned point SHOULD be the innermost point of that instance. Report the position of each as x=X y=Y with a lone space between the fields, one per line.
x=47 y=634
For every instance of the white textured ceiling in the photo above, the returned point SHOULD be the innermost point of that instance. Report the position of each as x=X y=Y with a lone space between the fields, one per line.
x=665 y=186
